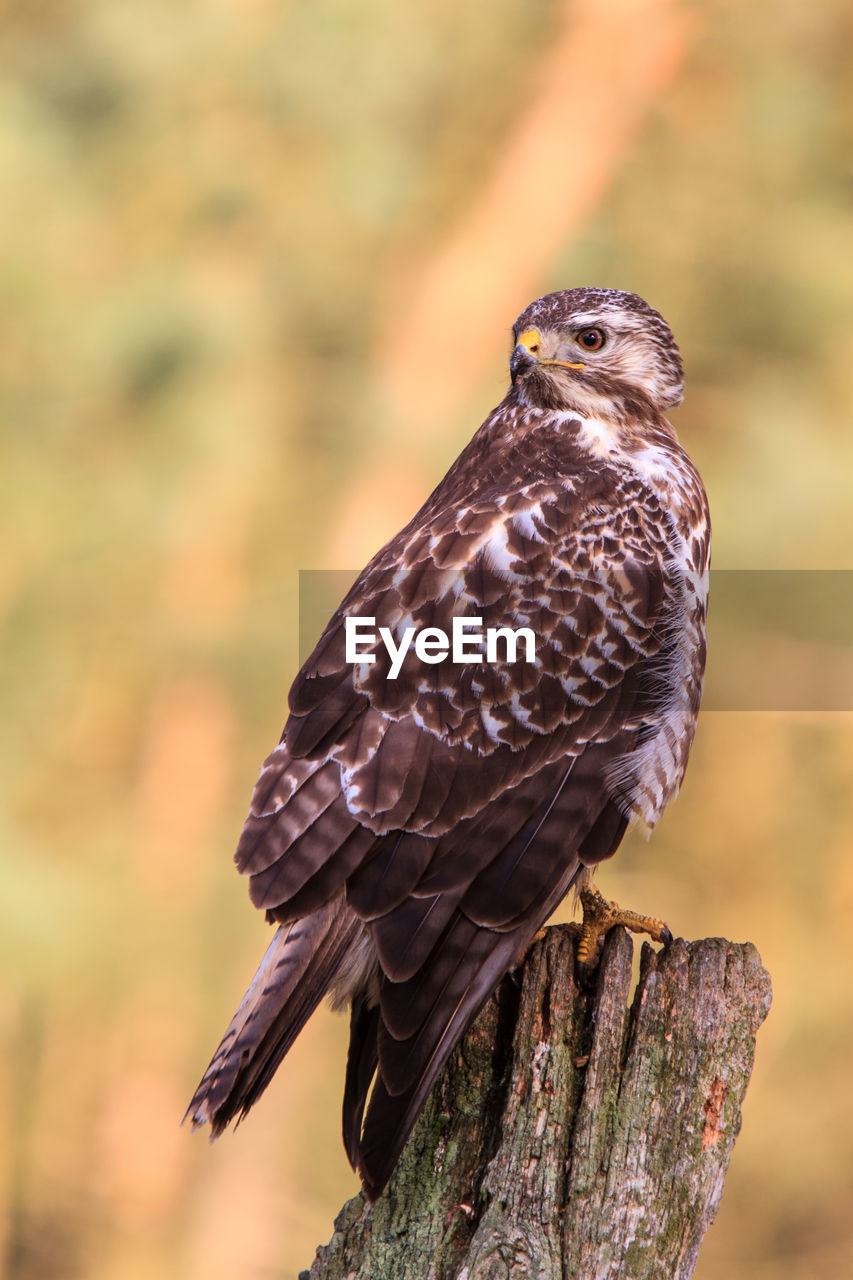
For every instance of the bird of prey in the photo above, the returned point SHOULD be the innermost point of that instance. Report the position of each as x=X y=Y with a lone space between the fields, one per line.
x=411 y=834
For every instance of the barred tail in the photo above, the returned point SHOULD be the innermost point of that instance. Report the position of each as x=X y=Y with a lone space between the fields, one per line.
x=299 y=967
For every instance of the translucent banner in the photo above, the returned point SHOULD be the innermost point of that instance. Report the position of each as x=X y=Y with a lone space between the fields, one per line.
x=778 y=639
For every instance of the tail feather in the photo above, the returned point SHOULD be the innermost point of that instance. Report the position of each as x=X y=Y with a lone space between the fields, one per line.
x=300 y=965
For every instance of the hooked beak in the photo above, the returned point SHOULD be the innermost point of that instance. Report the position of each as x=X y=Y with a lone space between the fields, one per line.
x=520 y=361
x=526 y=355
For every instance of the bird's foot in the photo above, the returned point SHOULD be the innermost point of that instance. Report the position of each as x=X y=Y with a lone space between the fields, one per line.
x=600 y=916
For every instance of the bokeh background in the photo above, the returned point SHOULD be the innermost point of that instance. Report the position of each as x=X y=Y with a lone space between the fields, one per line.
x=258 y=266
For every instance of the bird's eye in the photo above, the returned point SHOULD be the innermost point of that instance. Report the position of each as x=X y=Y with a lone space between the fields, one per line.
x=590 y=339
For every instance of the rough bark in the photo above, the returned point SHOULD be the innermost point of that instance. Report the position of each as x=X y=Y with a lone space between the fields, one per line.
x=572 y=1135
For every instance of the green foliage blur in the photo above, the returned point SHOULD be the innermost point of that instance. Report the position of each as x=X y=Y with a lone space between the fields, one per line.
x=218 y=226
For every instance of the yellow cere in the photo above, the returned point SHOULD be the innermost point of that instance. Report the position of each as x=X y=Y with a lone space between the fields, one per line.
x=532 y=339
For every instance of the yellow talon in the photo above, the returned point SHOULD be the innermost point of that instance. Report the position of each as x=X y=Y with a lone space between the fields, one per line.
x=600 y=916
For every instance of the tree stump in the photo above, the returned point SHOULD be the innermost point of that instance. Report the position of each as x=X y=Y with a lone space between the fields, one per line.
x=571 y=1135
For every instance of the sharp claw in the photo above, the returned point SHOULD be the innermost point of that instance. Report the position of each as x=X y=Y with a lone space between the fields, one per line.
x=600 y=916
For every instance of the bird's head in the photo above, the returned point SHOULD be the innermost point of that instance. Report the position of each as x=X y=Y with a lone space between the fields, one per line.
x=601 y=352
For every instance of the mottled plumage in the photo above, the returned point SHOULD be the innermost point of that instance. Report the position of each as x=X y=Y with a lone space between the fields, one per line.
x=410 y=836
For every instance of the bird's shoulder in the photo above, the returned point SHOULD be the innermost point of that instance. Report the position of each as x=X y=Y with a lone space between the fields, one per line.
x=575 y=554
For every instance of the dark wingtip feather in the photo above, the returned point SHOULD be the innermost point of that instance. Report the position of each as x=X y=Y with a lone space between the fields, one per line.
x=362 y=1058
x=390 y=1119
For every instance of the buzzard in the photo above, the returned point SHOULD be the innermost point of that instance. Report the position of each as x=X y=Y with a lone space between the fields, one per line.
x=412 y=832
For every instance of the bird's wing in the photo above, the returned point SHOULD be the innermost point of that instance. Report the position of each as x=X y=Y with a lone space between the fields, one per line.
x=457 y=802
x=364 y=757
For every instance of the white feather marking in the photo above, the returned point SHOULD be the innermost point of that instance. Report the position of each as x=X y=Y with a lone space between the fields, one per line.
x=497 y=553
x=523 y=521
x=491 y=724
x=599 y=437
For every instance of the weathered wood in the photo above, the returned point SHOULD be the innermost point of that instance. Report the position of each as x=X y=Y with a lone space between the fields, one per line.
x=572 y=1135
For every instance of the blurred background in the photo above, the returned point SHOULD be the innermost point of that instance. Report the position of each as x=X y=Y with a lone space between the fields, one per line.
x=258 y=268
